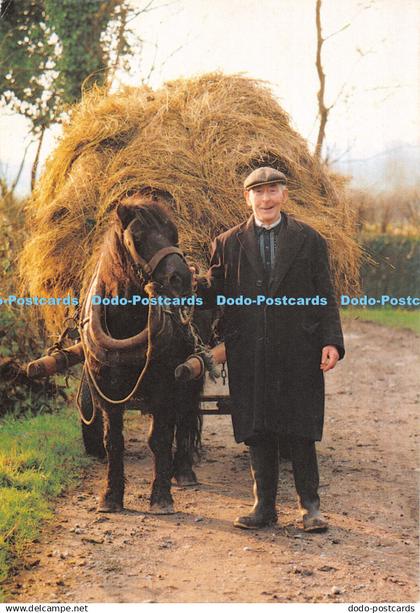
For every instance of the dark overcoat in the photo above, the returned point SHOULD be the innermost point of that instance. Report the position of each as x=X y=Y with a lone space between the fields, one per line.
x=274 y=351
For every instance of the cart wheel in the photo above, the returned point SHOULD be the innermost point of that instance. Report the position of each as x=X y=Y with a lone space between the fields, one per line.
x=93 y=435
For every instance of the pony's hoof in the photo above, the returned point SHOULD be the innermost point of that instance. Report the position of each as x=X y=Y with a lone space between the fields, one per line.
x=315 y=522
x=165 y=508
x=109 y=506
x=187 y=479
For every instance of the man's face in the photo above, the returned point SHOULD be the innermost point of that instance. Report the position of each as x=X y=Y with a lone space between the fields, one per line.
x=266 y=201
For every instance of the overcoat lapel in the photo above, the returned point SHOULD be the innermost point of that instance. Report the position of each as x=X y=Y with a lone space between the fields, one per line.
x=291 y=238
x=248 y=240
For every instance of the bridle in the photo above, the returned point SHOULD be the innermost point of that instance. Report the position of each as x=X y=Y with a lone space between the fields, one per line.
x=144 y=266
x=147 y=268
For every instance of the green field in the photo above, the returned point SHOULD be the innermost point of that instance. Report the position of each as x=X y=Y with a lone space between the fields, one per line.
x=39 y=457
x=395 y=318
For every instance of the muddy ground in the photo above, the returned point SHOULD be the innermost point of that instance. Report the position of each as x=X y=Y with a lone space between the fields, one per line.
x=368 y=492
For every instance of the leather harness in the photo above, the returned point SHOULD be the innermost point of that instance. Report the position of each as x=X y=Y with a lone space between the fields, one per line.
x=150 y=266
x=99 y=346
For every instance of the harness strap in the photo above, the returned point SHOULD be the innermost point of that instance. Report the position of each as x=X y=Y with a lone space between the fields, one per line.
x=155 y=321
x=147 y=267
x=162 y=253
x=95 y=340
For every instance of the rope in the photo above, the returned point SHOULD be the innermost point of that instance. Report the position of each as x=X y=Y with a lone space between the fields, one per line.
x=87 y=422
x=140 y=376
x=202 y=352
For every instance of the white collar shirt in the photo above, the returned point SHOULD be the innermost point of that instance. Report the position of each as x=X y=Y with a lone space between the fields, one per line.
x=267 y=227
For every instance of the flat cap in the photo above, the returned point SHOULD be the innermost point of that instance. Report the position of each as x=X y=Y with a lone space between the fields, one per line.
x=264 y=176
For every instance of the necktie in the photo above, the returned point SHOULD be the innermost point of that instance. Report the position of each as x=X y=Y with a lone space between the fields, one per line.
x=267 y=246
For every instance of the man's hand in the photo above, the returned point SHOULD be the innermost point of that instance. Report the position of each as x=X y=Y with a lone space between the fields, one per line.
x=329 y=358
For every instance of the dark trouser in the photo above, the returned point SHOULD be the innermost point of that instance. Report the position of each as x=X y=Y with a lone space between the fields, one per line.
x=305 y=470
x=304 y=463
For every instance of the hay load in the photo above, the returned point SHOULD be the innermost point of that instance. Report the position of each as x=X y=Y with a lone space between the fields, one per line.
x=192 y=142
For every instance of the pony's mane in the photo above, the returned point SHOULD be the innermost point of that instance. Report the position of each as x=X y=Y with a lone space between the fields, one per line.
x=118 y=273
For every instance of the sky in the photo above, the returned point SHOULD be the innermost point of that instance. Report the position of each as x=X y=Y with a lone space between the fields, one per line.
x=372 y=65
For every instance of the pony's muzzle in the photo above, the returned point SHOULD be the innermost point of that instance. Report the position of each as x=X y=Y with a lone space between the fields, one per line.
x=179 y=285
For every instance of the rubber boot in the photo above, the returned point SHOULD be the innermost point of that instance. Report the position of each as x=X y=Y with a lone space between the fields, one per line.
x=265 y=472
x=306 y=476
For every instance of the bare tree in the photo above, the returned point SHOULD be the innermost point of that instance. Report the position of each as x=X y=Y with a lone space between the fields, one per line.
x=323 y=108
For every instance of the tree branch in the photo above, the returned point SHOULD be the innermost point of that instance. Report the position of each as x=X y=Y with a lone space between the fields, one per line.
x=149 y=8
x=322 y=109
x=36 y=160
x=337 y=31
x=19 y=173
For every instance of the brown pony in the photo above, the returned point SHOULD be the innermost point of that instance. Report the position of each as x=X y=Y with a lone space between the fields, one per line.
x=132 y=350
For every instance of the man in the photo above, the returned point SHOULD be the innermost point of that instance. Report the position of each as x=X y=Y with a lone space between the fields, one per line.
x=277 y=354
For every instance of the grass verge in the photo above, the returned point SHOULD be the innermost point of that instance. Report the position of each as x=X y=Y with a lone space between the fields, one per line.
x=395 y=318
x=39 y=457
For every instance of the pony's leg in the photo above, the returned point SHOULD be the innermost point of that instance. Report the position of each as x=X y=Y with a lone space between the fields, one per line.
x=111 y=499
x=183 y=458
x=160 y=442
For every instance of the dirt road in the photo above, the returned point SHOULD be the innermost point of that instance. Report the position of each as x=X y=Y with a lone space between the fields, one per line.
x=368 y=491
